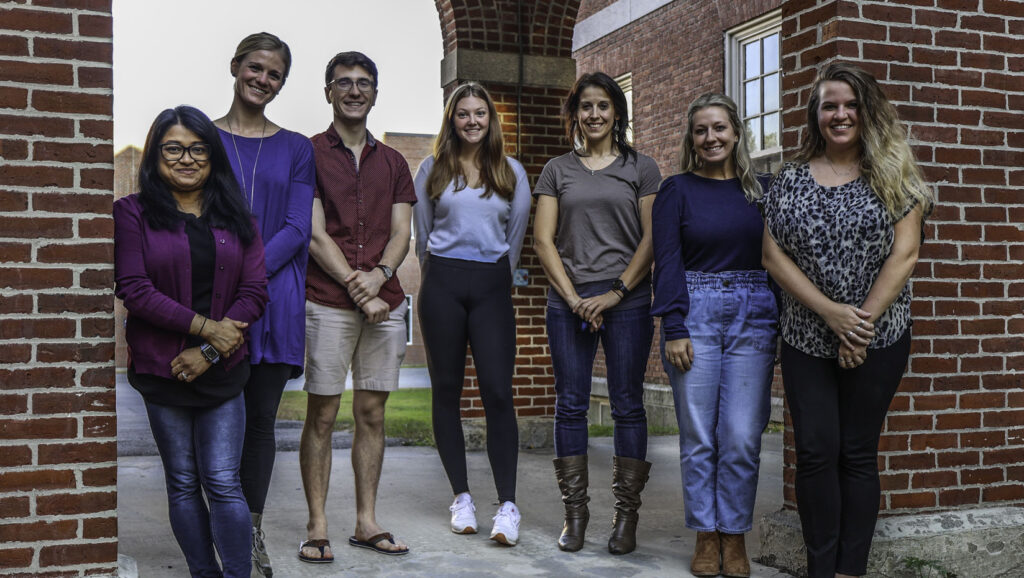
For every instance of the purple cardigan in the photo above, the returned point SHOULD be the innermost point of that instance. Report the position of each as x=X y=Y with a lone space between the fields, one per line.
x=152 y=271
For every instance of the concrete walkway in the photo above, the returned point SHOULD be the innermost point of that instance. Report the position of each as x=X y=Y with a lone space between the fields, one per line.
x=413 y=504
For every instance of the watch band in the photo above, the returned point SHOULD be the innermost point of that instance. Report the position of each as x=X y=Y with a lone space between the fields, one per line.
x=620 y=286
x=388 y=272
x=209 y=353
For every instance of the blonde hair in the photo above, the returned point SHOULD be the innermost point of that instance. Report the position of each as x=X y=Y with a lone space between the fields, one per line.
x=886 y=160
x=264 y=41
x=495 y=172
x=689 y=161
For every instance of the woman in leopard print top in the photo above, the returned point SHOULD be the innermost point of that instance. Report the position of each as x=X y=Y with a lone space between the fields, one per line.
x=842 y=233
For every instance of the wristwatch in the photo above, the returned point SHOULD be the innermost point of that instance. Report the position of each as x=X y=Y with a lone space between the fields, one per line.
x=388 y=272
x=620 y=286
x=209 y=353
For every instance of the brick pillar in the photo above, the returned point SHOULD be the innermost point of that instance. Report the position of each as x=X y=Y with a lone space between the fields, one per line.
x=953 y=442
x=58 y=470
x=519 y=50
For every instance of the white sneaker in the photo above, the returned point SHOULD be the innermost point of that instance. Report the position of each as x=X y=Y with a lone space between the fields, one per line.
x=463 y=516
x=506 y=525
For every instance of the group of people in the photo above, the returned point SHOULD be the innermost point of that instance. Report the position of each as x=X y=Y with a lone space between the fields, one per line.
x=241 y=269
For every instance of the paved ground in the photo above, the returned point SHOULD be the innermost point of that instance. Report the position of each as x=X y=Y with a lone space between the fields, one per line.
x=413 y=503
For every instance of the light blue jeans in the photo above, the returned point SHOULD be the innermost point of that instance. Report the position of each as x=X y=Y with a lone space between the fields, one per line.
x=723 y=402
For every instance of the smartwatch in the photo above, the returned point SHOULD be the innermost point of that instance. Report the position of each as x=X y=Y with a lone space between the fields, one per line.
x=209 y=353
x=388 y=272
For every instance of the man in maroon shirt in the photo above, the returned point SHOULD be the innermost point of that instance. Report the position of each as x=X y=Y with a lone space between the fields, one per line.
x=355 y=307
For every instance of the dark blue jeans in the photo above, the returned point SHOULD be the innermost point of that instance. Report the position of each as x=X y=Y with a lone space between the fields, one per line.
x=201 y=448
x=626 y=339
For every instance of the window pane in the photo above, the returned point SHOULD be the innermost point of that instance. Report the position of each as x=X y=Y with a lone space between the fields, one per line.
x=771 y=53
x=748 y=126
x=752 y=59
x=771 y=130
x=755 y=134
x=752 y=98
x=771 y=92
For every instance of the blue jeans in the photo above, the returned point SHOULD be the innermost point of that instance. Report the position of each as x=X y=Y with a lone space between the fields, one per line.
x=723 y=402
x=201 y=448
x=626 y=339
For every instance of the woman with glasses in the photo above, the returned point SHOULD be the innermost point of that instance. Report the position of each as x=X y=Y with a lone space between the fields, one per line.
x=472 y=207
x=274 y=168
x=188 y=263
x=592 y=233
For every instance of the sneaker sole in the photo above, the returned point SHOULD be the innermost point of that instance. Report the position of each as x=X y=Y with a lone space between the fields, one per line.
x=502 y=539
x=465 y=531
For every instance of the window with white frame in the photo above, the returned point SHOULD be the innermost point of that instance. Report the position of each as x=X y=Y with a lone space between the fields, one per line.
x=754 y=80
x=626 y=84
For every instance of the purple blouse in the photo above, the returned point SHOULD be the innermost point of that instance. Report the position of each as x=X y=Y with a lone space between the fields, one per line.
x=282 y=202
x=153 y=275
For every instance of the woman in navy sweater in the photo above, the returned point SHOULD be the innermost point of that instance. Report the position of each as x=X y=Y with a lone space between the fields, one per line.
x=719 y=325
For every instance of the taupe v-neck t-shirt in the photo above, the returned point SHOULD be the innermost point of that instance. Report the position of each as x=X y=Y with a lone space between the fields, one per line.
x=599 y=225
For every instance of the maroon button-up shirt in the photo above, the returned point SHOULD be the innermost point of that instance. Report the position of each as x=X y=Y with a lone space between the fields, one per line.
x=357 y=209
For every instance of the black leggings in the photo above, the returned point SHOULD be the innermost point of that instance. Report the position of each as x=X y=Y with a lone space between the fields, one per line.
x=470 y=302
x=262 y=396
x=837 y=420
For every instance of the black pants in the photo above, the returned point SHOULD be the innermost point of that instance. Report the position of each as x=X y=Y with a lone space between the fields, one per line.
x=470 y=302
x=262 y=396
x=837 y=419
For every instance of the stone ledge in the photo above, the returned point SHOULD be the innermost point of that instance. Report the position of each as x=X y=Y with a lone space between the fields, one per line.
x=503 y=67
x=977 y=542
x=534 y=432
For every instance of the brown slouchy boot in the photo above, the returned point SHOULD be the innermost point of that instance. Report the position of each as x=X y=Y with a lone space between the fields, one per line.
x=735 y=563
x=707 y=555
x=629 y=476
x=572 y=476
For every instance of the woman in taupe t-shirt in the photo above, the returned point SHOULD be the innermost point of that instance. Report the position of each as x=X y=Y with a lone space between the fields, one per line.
x=592 y=232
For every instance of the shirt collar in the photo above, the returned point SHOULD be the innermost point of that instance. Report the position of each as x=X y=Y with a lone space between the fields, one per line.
x=334 y=139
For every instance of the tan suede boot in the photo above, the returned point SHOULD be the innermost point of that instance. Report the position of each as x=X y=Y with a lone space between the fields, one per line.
x=735 y=563
x=706 y=555
x=572 y=476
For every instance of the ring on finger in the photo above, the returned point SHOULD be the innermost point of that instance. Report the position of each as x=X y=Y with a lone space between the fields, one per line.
x=849 y=333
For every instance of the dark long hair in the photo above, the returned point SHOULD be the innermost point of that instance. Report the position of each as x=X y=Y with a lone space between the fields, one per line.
x=222 y=203
x=570 y=112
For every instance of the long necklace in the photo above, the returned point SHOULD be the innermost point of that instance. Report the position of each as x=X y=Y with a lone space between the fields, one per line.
x=839 y=174
x=241 y=171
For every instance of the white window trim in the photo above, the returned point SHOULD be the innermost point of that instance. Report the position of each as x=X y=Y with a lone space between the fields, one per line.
x=625 y=82
x=735 y=37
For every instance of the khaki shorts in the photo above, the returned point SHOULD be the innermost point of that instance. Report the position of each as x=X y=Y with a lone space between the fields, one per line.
x=337 y=339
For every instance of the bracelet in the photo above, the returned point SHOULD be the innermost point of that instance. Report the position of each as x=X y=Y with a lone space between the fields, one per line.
x=619 y=293
x=200 y=333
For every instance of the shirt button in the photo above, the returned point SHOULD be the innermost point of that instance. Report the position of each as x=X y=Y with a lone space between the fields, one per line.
x=222 y=267
x=360 y=246
x=222 y=241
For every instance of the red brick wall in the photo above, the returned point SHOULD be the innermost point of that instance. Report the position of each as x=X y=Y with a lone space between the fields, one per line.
x=955 y=432
x=58 y=470
x=547 y=31
x=415 y=148
x=688 y=62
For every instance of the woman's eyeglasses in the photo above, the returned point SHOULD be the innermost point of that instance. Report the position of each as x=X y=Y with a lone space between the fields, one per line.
x=173 y=151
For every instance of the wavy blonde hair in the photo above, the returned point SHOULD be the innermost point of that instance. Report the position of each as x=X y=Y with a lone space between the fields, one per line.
x=886 y=160
x=495 y=172
x=689 y=161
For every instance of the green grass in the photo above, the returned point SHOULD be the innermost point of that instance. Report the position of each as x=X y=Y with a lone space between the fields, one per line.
x=407 y=414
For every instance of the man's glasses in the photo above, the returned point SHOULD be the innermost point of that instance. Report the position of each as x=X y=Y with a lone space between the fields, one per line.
x=345 y=84
x=173 y=151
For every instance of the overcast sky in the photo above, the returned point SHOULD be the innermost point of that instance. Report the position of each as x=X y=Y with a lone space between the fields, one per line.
x=171 y=53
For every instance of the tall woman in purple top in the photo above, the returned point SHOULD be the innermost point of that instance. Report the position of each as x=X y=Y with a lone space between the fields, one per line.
x=274 y=167
x=719 y=321
x=188 y=263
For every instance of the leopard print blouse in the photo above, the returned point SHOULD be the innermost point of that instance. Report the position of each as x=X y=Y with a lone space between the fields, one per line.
x=839 y=237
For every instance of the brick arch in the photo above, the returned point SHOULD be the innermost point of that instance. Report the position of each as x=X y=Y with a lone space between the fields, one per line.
x=494 y=25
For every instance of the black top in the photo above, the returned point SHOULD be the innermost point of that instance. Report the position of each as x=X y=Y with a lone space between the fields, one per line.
x=215 y=385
